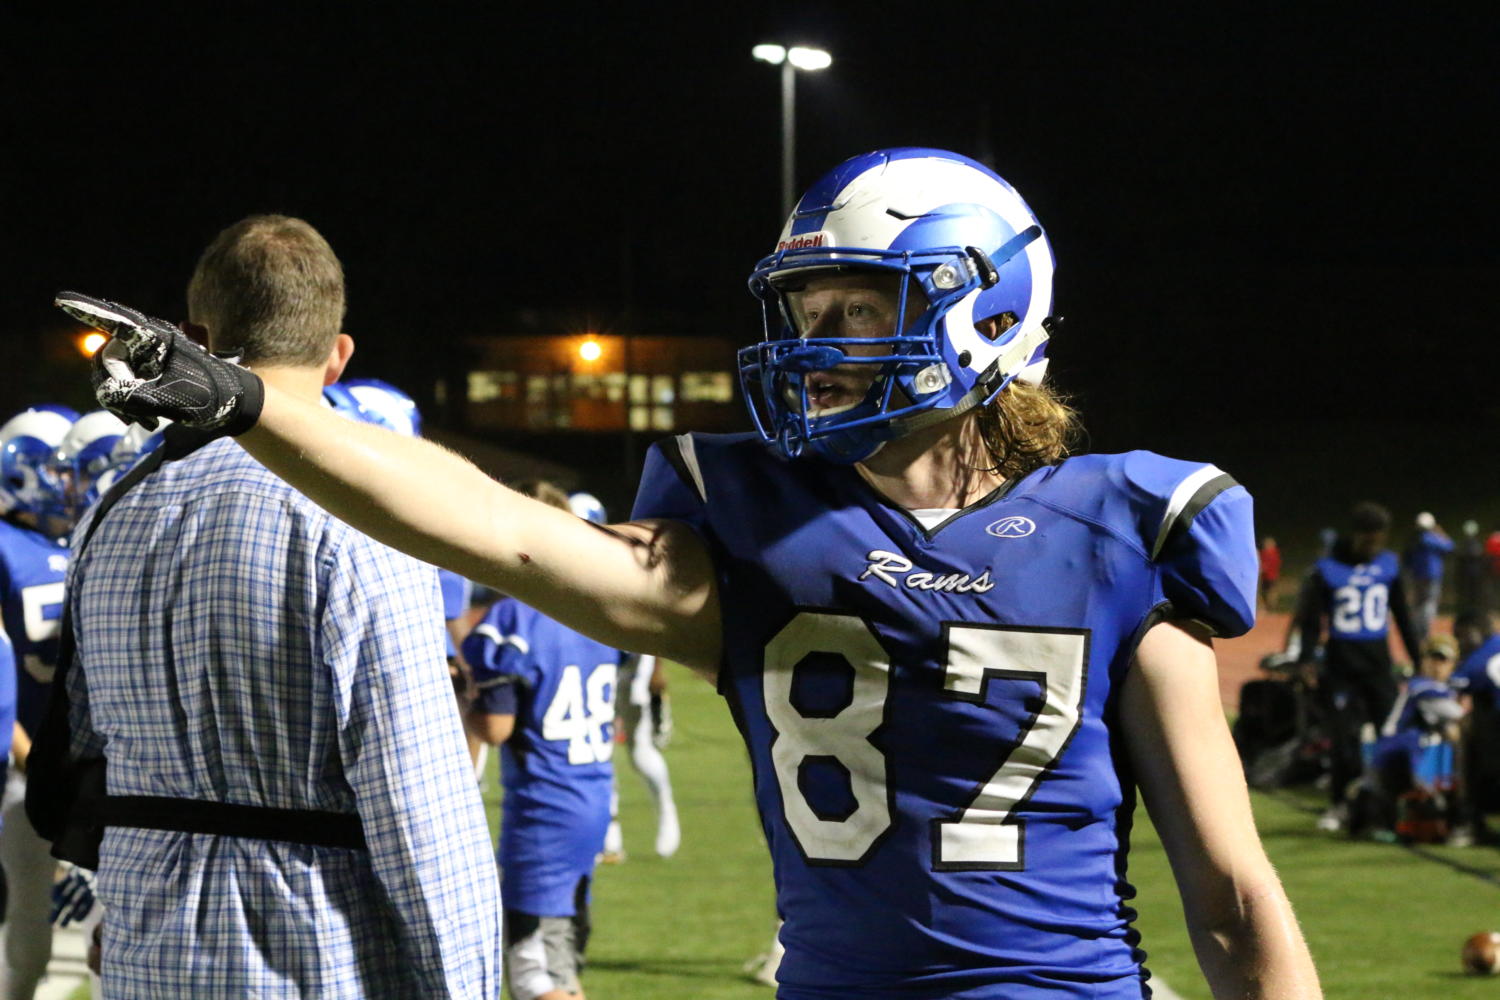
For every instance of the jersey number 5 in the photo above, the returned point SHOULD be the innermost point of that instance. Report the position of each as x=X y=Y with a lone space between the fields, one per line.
x=984 y=835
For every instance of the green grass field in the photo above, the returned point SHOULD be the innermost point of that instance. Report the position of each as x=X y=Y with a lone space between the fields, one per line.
x=1382 y=921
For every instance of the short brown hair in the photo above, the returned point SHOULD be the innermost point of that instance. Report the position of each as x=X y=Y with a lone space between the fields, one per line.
x=270 y=289
x=1026 y=427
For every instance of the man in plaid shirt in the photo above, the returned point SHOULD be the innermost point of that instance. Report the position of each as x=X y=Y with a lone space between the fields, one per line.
x=236 y=644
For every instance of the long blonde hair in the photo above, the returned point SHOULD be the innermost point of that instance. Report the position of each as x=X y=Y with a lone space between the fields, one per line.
x=1026 y=427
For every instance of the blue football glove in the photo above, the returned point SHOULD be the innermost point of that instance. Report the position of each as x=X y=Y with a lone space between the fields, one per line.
x=72 y=896
x=150 y=369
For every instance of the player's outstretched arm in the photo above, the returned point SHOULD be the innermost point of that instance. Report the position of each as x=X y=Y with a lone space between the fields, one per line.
x=646 y=586
x=1240 y=921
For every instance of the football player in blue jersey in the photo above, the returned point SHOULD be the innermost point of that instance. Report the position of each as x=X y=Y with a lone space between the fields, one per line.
x=643 y=713
x=954 y=653
x=1351 y=595
x=1417 y=744
x=546 y=696
x=33 y=562
x=86 y=455
x=1477 y=683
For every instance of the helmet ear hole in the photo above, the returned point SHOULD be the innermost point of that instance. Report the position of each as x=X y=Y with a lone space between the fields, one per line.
x=994 y=326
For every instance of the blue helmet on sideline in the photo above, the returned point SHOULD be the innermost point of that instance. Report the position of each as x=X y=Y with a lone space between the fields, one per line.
x=27 y=442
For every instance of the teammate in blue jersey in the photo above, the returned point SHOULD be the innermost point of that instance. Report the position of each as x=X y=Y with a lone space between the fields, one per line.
x=546 y=695
x=1416 y=749
x=1476 y=680
x=954 y=654
x=1351 y=596
x=33 y=563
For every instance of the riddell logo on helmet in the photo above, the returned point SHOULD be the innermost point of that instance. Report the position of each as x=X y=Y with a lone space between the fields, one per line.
x=802 y=242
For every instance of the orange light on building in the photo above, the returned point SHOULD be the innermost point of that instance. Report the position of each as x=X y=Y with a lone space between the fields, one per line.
x=590 y=350
x=90 y=342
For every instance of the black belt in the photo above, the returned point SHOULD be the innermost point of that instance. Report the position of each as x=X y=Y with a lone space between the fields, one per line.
x=298 y=826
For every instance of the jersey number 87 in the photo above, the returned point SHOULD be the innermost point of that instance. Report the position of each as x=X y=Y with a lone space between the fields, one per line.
x=982 y=836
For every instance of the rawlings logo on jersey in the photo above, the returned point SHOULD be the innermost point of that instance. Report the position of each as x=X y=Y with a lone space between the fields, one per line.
x=887 y=566
x=1011 y=527
x=803 y=242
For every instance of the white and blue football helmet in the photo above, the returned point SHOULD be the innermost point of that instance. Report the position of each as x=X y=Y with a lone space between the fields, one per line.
x=27 y=441
x=958 y=232
x=587 y=506
x=375 y=402
x=135 y=444
x=85 y=454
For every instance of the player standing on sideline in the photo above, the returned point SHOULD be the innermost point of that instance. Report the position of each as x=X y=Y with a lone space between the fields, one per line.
x=1355 y=590
x=643 y=715
x=546 y=697
x=290 y=812
x=1424 y=559
x=33 y=563
x=953 y=655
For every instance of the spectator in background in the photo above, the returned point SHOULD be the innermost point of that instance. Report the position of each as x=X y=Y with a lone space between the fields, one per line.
x=1270 y=569
x=1424 y=565
x=1472 y=569
x=1354 y=591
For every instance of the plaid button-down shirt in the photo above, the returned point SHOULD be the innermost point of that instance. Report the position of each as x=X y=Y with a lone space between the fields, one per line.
x=239 y=644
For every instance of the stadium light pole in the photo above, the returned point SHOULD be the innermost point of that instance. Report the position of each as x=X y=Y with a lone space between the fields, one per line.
x=790 y=60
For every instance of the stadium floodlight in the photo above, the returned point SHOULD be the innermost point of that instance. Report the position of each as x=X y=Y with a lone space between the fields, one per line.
x=798 y=57
x=809 y=59
x=773 y=54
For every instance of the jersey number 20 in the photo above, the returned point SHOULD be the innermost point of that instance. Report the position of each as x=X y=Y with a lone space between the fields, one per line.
x=984 y=835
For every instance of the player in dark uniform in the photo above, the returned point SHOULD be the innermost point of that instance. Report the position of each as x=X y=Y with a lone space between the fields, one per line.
x=954 y=655
x=1351 y=596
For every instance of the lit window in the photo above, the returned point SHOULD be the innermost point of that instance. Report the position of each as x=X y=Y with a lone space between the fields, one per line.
x=662 y=392
x=707 y=387
x=487 y=386
x=483 y=387
x=536 y=390
x=640 y=388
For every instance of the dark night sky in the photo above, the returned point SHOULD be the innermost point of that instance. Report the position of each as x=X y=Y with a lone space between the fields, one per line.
x=1270 y=217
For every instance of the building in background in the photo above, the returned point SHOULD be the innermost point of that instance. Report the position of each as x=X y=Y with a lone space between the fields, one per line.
x=604 y=383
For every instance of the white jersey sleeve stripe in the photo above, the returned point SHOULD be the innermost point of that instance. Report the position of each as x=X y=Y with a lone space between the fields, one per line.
x=1180 y=498
x=690 y=459
x=491 y=633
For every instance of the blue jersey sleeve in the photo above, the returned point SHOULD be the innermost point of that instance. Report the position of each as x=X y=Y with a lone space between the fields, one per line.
x=1476 y=674
x=456 y=593
x=1209 y=570
x=1198 y=525
x=672 y=484
x=500 y=656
